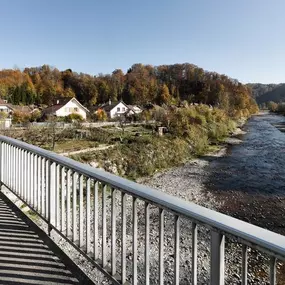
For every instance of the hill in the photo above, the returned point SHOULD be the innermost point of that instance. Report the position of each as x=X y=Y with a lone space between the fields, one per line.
x=264 y=93
x=162 y=85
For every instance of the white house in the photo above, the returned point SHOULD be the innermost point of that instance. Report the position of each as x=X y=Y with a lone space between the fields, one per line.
x=133 y=109
x=65 y=106
x=5 y=107
x=117 y=109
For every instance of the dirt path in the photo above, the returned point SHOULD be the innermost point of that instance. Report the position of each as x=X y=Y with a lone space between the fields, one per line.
x=87 y=150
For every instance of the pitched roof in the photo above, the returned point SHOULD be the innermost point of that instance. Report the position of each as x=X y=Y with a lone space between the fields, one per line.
x=52 y=109
x=59 y=103
x=22 y=109
x=62 y=100
x=108 y=107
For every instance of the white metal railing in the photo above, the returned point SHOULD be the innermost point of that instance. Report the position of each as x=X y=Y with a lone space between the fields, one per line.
x=103 y=216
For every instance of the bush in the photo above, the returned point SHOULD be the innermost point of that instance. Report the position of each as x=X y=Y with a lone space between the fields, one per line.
x=100 y=115
x=74 y=117
x=19 y=117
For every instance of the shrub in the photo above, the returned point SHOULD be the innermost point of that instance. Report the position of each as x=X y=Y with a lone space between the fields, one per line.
x=100 y=115
x=3 y=115
x=74 y=117
x=20 y=117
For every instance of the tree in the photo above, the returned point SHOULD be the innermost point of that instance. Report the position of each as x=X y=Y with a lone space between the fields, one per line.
x=35 y=115
x=19 y=117
x=100 y=115
x=272 y=106
x=164 y=96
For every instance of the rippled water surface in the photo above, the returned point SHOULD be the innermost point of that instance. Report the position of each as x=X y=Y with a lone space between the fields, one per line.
x=257 y=164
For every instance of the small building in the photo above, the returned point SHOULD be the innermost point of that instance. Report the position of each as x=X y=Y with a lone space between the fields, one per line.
x=133 y=109
x=5 y=107
x=117 y=109
x=63 y=107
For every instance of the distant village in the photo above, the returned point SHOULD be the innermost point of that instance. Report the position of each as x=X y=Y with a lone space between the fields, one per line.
x=68 y=110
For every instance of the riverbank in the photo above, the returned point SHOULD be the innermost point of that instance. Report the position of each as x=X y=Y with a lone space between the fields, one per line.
x=247 y=172
x=192 y=176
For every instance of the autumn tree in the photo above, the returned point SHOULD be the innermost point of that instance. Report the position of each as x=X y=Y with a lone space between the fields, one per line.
x=163 y=95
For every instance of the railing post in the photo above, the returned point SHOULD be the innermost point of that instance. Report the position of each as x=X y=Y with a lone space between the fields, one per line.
x=51 y=194
x=217 y=258
x=1 y=165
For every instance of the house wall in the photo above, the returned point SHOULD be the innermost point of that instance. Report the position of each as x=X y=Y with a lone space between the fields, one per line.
x=70 y=108
x=118 y=110
x=4 y=109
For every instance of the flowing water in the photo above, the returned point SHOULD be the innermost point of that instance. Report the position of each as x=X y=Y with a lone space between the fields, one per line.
x=258 y=164
x=250 y=180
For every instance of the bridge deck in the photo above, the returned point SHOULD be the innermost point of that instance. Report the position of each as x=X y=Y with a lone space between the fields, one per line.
x=25 y=258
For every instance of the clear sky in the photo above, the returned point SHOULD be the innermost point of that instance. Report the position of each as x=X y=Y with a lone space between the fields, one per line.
x=244 y=39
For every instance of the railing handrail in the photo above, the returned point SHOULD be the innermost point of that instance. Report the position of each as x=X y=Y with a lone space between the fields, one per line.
x=263 y=238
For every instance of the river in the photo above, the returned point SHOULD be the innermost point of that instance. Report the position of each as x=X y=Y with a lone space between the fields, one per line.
x=245 y=180
x=249 y=180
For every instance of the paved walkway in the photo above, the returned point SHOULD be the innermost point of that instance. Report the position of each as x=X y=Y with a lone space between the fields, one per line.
x=24 y=257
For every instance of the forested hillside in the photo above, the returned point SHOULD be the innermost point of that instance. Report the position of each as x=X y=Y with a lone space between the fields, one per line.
x=165 y=84
x=271 y=92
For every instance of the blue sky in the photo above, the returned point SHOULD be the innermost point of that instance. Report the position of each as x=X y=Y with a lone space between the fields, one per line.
x=244 y=39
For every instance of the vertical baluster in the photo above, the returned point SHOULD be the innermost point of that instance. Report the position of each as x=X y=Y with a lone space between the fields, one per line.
x=26 y=176
x=135 y=241
x=16 y=176
x=10 y=172
x=32 y=180
x=176 y=249
x=81 y=232
x=16 y=166
x=161 y=246
x=35 y=182
x=4 y=174
x=28 y=198
x=123 y=237
x=57 y=191
x=96 y=185
x=43 y=162
x=8 y=166
x=113 y=233
x=1 y=164
x=68 y=229
x=39 y=182
x=244 y=264
x=52 y=193
x=104 y=227
x=13 y=170
x=46 y=188
x=63 y=197
x=147 y=249
x=272 y=270
x=217 y=258
x=22 y=173
x=11 y=167
x=14 y=185
x=74 y=206
x=194 y=253
x=88 y=205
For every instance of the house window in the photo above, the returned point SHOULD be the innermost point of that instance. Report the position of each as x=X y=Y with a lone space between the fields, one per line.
x=124 y=109
x=76 y=109
x=118 y=109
